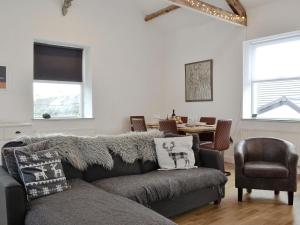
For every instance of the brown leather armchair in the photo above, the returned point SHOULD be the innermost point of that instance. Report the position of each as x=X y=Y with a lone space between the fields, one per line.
x=267 y=164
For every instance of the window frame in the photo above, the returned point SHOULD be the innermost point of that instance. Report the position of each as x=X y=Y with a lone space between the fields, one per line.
x=248 y=81
x=86 y=107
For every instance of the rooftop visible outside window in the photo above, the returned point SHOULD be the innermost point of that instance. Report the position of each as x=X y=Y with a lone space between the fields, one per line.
x=272 y=78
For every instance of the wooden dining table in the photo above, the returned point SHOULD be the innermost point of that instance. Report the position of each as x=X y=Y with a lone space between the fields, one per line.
x=185 y=128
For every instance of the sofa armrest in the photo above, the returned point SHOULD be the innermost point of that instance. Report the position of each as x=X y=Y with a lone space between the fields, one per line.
x=211 y=159
x=12 y=200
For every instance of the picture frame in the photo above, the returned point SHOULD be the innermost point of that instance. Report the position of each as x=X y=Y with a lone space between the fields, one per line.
x=3 y=78
x=199 y=81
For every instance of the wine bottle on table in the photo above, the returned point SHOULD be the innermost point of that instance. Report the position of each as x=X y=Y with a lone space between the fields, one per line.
x=173 y=114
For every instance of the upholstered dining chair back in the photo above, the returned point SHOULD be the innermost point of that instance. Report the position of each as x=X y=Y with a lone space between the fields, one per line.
x=168 y=126
x=138 y=123
x=222 y=135
x=208 y=120
x=208 y=136
x=184 y=119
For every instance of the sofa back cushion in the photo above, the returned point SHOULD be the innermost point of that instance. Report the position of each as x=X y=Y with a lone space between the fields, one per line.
x=11 y=144
x=121 y=168
x=149 y=166
x=70 y=171
x=10 y=160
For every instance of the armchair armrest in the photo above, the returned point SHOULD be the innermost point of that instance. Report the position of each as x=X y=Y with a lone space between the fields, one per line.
x=292 y=156
x=12 y=200
x=239 y=156
x=211 y=159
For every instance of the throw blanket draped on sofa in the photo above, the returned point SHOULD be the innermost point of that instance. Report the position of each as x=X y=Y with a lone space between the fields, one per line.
x=84 y=151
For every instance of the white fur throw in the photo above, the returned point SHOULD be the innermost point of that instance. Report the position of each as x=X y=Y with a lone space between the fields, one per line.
x=84 y=151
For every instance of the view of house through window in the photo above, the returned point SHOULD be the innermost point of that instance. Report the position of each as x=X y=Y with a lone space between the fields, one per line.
x=57 y=99
x=274 y=71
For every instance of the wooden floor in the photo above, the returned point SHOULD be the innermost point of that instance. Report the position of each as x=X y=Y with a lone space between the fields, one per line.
x=258 y=208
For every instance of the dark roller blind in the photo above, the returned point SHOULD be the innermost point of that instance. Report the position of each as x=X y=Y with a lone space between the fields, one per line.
x=57 y=63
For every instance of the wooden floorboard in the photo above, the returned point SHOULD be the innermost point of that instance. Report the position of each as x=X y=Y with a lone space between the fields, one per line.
x=258 y=208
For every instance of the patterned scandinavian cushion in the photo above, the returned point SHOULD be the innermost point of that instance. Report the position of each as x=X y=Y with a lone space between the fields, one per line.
x=41 y=172
x=10 y=160
x=175 y=153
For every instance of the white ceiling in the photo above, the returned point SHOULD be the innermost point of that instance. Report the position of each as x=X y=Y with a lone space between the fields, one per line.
x=182 y=18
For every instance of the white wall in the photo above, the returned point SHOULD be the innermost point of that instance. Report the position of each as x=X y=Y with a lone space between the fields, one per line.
x=222 y=42
x=126 y=59
x=136 y=69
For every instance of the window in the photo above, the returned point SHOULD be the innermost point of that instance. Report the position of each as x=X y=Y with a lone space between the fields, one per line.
x=58 y=81
x=66 y=102
x=272 y=78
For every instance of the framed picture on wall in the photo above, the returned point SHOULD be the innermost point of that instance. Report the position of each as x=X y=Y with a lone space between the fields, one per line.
x=199 y=81
x=2 y=77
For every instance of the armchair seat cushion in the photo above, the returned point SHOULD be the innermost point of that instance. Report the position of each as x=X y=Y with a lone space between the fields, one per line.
x=261 y=169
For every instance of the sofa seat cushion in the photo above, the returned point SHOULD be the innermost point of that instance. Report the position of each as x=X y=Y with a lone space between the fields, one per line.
x=86 y=204
x=162 y=184
x=260 y=169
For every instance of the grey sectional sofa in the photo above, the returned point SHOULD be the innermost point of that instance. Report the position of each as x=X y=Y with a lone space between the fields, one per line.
x=129 y=194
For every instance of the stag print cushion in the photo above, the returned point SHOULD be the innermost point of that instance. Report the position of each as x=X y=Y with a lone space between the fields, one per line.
x=175 y=153
x=41 y=173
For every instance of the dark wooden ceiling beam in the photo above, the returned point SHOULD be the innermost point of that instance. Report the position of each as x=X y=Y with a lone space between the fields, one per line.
x=161 y=12
x=237 y=7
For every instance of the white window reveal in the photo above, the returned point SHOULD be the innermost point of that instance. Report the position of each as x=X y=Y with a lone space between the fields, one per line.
x=272 y=78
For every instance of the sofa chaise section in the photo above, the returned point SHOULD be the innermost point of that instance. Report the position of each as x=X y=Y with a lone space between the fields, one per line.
x=86 y=204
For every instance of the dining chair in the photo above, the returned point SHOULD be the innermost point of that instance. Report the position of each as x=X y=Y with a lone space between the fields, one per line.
x=221 y=141
x=207 y=136
x=208 y=120
x=138 y=123
x=184 y=119
x=168 y=126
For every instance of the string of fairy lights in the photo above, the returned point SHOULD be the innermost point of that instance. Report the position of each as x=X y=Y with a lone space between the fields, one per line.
x=215 y=12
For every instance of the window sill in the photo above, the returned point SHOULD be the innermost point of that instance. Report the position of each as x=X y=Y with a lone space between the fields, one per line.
x=62 y=119
x=272 y=120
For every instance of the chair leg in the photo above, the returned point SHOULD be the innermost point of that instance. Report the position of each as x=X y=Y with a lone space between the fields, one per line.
x=227 y=173
x=291 y=198
x=218 y=201
x=249 y=190
x=276 y=192
x=240 y=194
